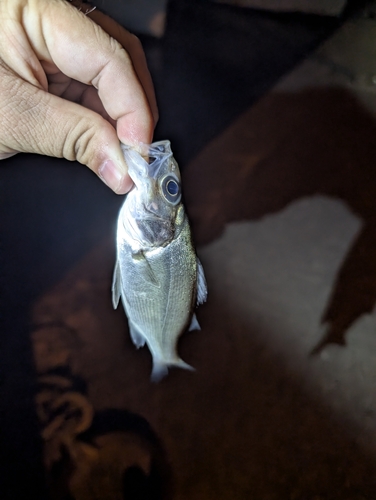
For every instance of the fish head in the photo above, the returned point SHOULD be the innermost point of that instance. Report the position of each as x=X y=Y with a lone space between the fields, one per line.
x=153 y=207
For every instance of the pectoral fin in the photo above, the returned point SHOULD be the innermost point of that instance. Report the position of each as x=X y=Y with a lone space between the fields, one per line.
x=202 y=289
x=116 y=286
x=144 y=269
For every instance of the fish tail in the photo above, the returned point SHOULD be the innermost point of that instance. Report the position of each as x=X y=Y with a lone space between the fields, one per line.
x=159 y=371
x=182 y=364
x=160 y=368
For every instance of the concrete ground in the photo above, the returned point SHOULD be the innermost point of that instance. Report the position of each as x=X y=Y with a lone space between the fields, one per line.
x=282 y=404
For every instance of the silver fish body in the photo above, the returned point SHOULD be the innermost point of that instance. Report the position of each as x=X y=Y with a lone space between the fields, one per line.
x=157 y=274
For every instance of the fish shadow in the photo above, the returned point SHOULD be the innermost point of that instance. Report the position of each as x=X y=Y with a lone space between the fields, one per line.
x=287 y=147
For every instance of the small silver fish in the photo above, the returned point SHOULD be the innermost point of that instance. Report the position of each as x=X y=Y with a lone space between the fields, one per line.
x=157 y=273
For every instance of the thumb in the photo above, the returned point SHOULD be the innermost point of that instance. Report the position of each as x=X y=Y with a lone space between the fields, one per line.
x=35 y=121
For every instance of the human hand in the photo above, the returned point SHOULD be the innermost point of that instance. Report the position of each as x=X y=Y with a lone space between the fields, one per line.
x=69 y=89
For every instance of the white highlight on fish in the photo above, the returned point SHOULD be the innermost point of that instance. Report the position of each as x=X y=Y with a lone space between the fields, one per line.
x=157 y=273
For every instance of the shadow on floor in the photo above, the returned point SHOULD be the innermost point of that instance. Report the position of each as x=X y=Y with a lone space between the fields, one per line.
x=245 y=425
x=287 y=147
x=257 y=432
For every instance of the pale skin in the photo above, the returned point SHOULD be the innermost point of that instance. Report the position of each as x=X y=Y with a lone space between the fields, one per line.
x=72 y=86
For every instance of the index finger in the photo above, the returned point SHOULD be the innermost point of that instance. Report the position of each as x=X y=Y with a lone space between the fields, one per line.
x=134 y=48
x=85 y=52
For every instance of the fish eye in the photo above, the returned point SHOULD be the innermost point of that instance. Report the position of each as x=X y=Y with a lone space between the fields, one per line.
x=171 y=189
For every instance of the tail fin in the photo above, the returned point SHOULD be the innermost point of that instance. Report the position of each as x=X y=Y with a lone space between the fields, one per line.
x=160 y=368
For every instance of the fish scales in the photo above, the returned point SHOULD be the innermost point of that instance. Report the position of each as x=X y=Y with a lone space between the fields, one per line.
x=157 y=275
x=149 y=309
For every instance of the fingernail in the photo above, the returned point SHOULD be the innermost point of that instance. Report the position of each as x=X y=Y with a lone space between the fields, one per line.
x=113 y=177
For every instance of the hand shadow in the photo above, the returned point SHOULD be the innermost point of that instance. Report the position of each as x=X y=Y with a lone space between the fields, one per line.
x=289 y=146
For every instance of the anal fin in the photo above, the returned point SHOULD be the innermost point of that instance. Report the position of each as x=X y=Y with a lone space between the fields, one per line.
x=137 y=338
x=194 y=324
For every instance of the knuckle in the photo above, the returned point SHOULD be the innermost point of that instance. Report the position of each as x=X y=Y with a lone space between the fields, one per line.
x=76 y=145
x=127 y=45
x=117 y=49
x=83 y=141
